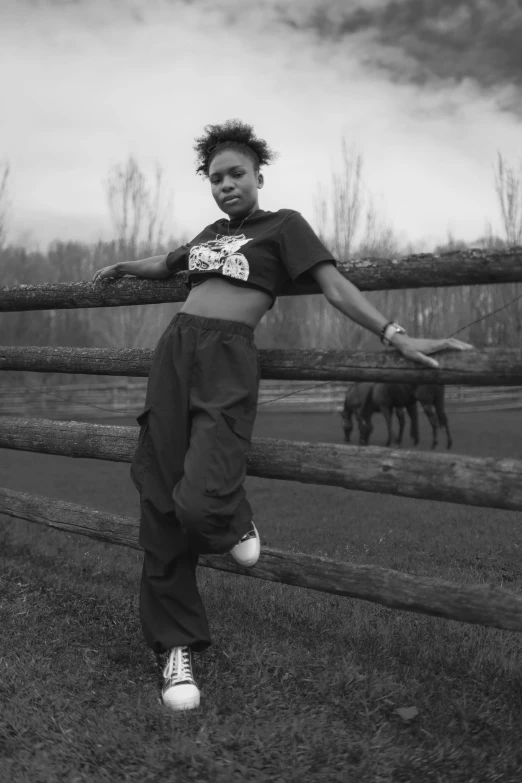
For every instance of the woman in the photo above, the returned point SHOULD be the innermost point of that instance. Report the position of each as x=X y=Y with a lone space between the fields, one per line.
x=189 y=466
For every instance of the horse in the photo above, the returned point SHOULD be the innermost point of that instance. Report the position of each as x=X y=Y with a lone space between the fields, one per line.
x=387 y=397
x=365 y=399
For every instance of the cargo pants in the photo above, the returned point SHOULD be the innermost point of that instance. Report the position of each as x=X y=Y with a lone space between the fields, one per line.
x=189 y=468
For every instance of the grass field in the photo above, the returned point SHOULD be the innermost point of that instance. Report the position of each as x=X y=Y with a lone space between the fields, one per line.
x=298 y=686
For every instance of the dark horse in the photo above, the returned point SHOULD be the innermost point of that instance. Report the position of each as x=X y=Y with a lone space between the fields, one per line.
x=389 y=397
x=365 y=399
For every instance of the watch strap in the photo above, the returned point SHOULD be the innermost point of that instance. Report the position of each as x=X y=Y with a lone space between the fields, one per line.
x=389 y=330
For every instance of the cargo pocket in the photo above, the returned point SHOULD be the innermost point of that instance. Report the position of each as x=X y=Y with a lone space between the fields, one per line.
x=226 y=468
x=141 y=455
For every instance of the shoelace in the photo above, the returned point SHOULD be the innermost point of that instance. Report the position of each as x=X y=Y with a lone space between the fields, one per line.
x=247 y=536
x=178 y=668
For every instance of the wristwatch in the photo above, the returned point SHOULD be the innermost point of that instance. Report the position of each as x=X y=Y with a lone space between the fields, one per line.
x=389 y=330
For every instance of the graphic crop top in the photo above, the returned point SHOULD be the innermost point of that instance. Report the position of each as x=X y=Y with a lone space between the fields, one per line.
x=272 y=248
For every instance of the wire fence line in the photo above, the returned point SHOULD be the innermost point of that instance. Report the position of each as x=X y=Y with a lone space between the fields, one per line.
x=125 y=397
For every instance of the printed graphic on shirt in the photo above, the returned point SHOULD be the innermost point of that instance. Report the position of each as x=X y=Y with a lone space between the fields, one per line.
x=220 y=253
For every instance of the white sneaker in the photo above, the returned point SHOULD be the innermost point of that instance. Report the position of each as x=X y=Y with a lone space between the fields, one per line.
x=247 y=552
x=179 y=691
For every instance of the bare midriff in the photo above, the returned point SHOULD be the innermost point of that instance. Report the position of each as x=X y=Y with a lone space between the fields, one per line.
x=215 y=298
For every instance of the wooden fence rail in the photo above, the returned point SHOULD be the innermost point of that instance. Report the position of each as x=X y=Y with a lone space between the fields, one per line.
x=463 y=267
x=488 y=367
x=483 y=603
x=452 y=478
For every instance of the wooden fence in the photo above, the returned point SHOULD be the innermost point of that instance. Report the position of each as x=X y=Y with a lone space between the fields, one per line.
x=440 y=477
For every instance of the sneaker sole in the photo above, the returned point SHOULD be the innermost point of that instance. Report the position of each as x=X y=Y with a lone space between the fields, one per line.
x=189 y=704
x=246 y=563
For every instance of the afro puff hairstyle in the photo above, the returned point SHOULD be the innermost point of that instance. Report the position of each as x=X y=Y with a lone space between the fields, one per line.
x=231 y=134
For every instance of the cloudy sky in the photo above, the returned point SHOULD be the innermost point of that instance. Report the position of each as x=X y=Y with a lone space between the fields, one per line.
x=426 y=90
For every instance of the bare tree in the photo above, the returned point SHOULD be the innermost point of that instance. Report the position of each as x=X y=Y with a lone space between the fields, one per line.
x=379 y=239
x=508 y=185
x=4 y=204
x=338 y=212
x=138 y=208
x=488 y=239
x=349 y=224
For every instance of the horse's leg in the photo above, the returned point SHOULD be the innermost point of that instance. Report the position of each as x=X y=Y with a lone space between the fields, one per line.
x=443 y=422
x=347 y=425
x=414 y=422
x=387 y=413
x=443 y=419
x=432 y=418
x=365 y=414
x=402 y=420
x=363 y=429
x=364 y=420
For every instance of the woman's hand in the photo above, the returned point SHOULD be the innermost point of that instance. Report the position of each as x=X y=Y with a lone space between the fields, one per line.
x=107 y=272
x=152 y=268
x=417 y=348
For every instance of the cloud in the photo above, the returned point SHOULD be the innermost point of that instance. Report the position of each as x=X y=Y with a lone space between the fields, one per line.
x=419 y=41
x=415 y=41
x=88 y=82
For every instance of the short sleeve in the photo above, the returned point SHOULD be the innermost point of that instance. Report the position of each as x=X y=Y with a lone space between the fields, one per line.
x=177 y=260
x=300 y=246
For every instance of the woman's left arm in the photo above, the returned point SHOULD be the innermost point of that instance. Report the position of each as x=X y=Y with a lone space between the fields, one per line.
x=344 y=296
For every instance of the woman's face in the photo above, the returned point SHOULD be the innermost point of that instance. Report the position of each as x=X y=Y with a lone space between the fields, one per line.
x=234 y=182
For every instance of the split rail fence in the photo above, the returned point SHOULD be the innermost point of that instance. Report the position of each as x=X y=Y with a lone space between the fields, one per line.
x=440 y=477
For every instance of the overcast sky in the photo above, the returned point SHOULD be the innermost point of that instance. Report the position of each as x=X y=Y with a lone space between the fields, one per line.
x=426 y=91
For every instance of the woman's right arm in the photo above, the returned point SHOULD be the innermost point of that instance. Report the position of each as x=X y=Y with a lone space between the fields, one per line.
x=154 y=267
